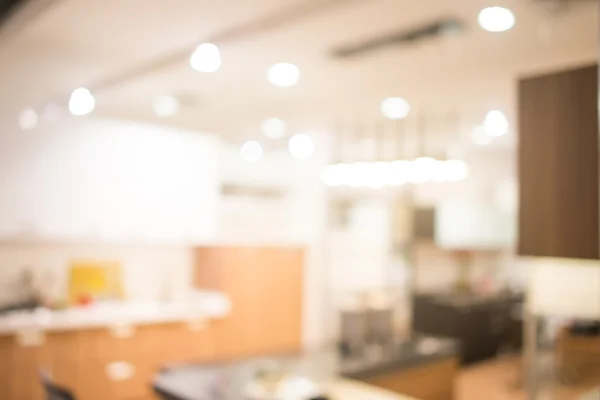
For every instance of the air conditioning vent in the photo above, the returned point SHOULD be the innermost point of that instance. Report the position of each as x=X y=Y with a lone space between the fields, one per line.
x=429 y=31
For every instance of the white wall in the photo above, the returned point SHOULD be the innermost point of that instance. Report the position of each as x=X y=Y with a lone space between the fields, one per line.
x=108 y=179
x=119 y=187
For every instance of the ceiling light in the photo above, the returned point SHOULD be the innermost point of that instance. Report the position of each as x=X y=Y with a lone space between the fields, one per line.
x=166 y=106
x=251 y=151
x=495 y=123
x=283 y=74
x=379 y=174
x=395 y=108
x=81 y=102
x=423 y=169
x=400 y=172
x=28 y=119
x=456 y=170
x=301 y=146
x=206 y=58
x=273 y=128
x=496 y=19
x=359 y=174
x=480 y=136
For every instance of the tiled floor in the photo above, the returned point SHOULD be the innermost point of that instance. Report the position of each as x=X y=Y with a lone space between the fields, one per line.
x=500 y=380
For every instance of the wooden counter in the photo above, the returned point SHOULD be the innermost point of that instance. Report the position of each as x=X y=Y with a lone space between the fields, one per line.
x=100 y=364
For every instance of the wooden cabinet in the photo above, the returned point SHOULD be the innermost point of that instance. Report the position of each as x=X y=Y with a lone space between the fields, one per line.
x=265 y=288
x=558 y=164
x=87 y=361
x=432 y=381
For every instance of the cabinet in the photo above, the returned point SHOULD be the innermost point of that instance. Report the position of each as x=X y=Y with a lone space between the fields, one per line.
x=82 y=360
x=265 y=287
x=558 y=164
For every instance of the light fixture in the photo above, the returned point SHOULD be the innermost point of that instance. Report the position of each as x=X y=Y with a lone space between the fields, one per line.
x=251 y=151
x=400 y=172
x=495 y=123
x=395 y=108
x=480 y=137
x=423 y=169
x=81 y=102
x=496 y=19
x=206 y=58
x=456 y=170
x=28 y=119
x=273 y=128
x=283 y=74
x=166 y=106
x=379 y=174
x=301 y=146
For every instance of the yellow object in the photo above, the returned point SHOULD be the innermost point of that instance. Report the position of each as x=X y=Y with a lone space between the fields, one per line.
x=95 y=280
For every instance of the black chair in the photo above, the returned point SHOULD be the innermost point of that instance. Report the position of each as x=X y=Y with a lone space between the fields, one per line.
x=52 y=390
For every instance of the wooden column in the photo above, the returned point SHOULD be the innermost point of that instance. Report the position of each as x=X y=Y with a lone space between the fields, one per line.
x=558 y=164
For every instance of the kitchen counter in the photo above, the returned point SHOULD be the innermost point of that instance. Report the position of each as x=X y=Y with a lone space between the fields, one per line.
x=337 y=375
x=115 y=314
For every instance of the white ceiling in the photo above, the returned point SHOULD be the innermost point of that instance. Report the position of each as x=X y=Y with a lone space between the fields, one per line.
x=85 y=42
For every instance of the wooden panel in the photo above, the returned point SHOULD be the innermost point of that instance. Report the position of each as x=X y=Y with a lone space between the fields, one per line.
x=433 y=381
x=6 y=349
x=265 y=289
x=558 y=164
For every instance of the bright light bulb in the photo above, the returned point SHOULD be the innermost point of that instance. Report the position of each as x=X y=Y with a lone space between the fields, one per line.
x=423 y=169
x=251 y=151
x=301 y=146
x=456 y=170
x=359 y=174
x=399 y=172
x=495 y=123
x=395 y=108
x=28 y=119
x=378 y=174
x=480 y=136
x=496 y=19
x=273 y=128
x=81 y=102
x=206 y=58
x=283 y=74
x=166 y=106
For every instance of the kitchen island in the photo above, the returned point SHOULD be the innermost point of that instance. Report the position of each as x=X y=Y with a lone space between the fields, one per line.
x=419 y=363
x=106 y=351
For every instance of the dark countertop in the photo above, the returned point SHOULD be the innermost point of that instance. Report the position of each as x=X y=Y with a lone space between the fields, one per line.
x=225 y=381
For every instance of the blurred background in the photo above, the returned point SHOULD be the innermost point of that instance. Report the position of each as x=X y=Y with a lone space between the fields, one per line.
x=411 y=186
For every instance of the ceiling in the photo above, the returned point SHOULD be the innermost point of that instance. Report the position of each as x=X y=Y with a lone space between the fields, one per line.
x=129 y=52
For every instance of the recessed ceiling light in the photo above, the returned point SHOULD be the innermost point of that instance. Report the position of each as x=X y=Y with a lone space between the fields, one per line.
x=395 y=108
x=81 y=102
x=496 y=19
x=495 y=123
x=166 y=106
x=283 y=74
x=28 y=119
x=251 y=151
x=273 y=128
x=301 y=146
x=206 y=58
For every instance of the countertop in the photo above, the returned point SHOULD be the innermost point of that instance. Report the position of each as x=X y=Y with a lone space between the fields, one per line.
x=226 y=381
x=116 y=313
